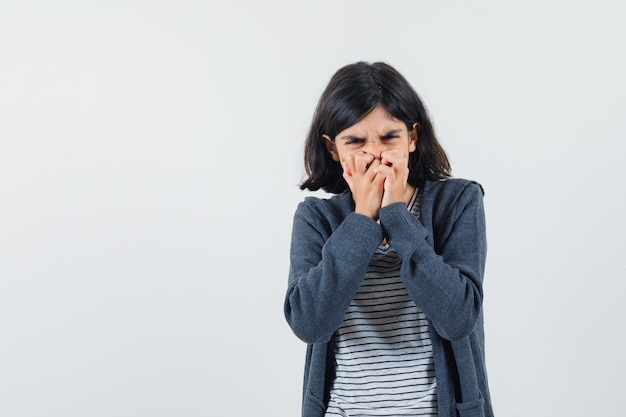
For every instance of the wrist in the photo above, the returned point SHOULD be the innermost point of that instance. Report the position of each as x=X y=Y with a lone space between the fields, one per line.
x=372 y=214
x=389 y=199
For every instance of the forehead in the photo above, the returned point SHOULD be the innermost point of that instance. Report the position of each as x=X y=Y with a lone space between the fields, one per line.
x=377 y=121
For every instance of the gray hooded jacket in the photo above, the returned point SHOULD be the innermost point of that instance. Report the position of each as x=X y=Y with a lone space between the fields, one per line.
x=443 y=260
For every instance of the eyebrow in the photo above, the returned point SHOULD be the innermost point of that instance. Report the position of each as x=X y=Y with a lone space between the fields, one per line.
x=390 y=133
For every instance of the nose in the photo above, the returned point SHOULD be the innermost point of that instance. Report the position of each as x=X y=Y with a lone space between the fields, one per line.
x=375 y=147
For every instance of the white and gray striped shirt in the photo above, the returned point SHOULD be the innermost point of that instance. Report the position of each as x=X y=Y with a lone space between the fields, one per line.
x=384 y=360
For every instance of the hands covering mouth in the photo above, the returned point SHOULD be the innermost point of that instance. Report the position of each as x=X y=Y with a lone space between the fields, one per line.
x=376 y=180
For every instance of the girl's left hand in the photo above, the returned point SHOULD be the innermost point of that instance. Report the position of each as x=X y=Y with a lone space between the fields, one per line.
x=395 y=167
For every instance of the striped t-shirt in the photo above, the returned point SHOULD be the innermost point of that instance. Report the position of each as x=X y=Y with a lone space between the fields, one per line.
x=384 y=360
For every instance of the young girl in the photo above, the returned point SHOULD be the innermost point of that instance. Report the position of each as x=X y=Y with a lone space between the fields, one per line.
x=385 y=280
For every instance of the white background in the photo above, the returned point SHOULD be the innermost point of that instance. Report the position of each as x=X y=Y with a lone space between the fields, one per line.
x=150 y=153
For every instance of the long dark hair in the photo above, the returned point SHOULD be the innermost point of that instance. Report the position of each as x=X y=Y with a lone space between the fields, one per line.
x=353 y=91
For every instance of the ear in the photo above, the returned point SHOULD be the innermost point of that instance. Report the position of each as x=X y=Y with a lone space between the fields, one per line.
x=330 y=147
x=413 y=137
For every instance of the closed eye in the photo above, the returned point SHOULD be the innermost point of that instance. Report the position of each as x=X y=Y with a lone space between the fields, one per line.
x=389 y=136
x=353 y=140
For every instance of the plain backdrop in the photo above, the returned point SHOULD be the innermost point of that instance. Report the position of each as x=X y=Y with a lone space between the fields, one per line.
x=150 y=156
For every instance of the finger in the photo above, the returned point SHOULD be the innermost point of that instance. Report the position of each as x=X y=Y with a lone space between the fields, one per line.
x=379 y=179
x=372 y=170
x=363 y=161
x=346 y=168
x=399 y=166
x=347 y=175
x=379 y=183
x=385 y=170
x=394 y=156
x=348 y=165
x=347 y=171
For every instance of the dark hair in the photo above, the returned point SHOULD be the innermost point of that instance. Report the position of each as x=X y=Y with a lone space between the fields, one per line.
x=352 y=93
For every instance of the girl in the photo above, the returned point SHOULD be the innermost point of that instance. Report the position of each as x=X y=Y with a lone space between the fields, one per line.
x=385 y=278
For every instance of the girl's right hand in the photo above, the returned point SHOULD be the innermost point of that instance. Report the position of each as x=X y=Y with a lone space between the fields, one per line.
x=366 y=185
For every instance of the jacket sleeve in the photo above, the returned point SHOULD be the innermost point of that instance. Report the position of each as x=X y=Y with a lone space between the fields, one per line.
x=443 y=279
x=326 y=269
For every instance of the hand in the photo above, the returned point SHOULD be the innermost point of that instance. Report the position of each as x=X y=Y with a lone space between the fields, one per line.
x=394 y=167
x=360 y=170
